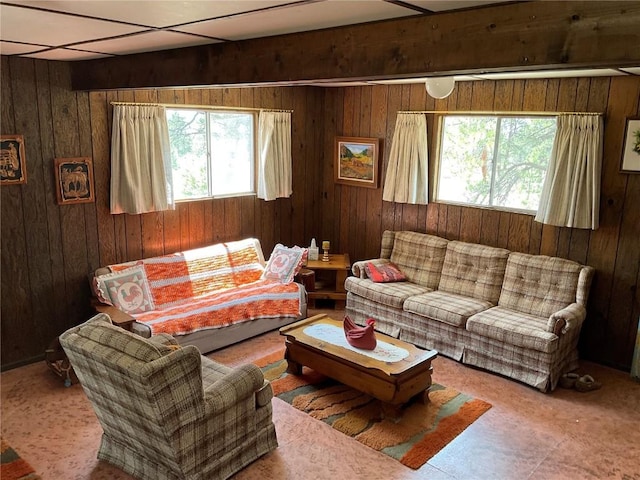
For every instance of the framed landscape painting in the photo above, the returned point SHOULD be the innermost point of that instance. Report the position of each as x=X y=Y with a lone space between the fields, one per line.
x=13 y=169
x=357 y=160
x=74 y=180
x=631 y=147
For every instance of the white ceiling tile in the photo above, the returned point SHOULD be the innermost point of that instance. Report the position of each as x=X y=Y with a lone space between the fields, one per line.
x=145 y=42
x=10 y=48
x=66 y=54
x=155 y=13
x=631 y=70
x=308 y=16
x=45 y=28
x=442 y=5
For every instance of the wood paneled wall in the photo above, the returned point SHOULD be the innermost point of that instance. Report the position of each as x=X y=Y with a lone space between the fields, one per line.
x=48 y=250
x=354 y=218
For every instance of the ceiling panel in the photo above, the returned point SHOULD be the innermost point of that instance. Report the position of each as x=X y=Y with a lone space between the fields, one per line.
x=442 y=5
x=46 y=28
x=156 y=13
x=309 y=16
x=145 y=42
x=8 y=48
x=66 y=54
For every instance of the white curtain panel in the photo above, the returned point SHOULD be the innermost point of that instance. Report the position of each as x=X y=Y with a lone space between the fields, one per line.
x=407 y=178
x=141 y=179
x=274 y=146
x=571 y=191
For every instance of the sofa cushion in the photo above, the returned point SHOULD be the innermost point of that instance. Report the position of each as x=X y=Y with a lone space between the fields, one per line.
x=539 y=285
x=420 y=257
x=128 y=290
x=284 y=263
x=384 y=272
x=513 y=328
x=445 y=307
x=391 y=294
x=473 y=270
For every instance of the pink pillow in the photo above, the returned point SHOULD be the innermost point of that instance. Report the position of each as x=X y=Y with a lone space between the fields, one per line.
x=284 y=263
x=384 y=272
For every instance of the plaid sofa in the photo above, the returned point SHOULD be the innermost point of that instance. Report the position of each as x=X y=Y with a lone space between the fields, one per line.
x=511 y=313
x=166 y=411
x=208 y=297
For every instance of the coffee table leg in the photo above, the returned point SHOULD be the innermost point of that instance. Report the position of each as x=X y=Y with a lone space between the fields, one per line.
x=423 y=397
x=293 y=367
x=391 y=412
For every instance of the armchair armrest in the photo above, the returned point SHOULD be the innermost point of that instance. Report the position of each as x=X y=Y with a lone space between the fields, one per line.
x=239 y=384
x=566 y=319
x=163 y=339
x=358 y=267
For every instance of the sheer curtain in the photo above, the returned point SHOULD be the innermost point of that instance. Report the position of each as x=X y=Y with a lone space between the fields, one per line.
x=141 y=179
x=274 y=147
x=571 y=191
x=407 y=173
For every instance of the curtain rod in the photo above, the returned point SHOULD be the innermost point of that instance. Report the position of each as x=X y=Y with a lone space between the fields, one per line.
x=182 y=105
x=493 y=112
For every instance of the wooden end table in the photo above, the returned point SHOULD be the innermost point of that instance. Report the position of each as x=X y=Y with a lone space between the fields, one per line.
x=338 y=268
x=394 y=383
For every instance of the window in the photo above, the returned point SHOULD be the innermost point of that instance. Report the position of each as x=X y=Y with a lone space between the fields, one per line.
x=212 y=153
x=494 y=161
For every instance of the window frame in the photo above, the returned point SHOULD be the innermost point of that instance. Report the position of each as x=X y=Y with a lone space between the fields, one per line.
x=254 y=167
x=438 y=156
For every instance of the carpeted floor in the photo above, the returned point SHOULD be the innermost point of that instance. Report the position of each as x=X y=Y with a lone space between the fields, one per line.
x=12 y=467
x=420 y=432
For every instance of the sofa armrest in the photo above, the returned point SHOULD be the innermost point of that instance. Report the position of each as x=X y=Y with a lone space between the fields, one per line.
x=242 y=382
x=566 y=319
x=358 y=267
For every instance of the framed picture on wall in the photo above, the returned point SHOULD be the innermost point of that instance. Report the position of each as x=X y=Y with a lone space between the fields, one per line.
x=74 y=180
x=13 y=169
x=356 y=161
x=631 y=147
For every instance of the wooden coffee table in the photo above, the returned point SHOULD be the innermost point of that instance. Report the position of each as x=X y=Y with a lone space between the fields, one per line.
x=393 y=383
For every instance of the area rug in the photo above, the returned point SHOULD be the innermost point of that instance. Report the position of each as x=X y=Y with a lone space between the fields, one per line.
x=420 y=433
x=12 y=467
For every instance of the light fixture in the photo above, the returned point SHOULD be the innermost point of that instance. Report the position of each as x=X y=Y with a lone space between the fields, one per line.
x=440 y=87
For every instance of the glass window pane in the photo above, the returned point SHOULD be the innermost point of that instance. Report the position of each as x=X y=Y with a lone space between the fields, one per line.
x=187 y=135
x=466 y=159
x=231 y=137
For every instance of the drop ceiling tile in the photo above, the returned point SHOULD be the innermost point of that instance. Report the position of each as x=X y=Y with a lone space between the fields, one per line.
x=66 y=54
x=145 y=42
x=10 y=48
x=442 y=5
x=153 y=12
x=53 y=29
x=302 y=17
x=631 y=70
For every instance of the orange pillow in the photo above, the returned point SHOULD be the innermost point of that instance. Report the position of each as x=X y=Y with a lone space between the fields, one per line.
x=384 y=272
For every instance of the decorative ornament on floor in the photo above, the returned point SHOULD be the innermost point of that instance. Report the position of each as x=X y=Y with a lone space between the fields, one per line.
x=360 y=337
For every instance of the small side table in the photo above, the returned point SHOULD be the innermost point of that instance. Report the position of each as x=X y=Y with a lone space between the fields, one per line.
x=330 y=278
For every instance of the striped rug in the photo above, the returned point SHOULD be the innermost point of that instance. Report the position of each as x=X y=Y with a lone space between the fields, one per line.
x=12 y=467
x=420 y=433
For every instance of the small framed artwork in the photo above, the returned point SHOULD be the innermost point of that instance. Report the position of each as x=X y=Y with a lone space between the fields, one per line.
x=74 y=180
x=631 y=147
x=13 y=168
x=356 y=162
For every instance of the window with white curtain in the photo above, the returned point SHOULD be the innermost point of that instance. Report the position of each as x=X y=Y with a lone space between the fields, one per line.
x=494 y=161
x=212 y=152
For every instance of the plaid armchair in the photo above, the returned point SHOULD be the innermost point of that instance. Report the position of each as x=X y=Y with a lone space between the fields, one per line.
x=168 y=412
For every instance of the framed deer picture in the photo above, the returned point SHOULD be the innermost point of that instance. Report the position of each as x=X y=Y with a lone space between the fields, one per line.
x=74 y=180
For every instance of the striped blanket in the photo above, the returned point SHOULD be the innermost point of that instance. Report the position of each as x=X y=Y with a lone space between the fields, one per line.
x=212 y=287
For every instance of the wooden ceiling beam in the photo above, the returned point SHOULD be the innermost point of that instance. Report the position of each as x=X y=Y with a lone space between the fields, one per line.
x=523 y=36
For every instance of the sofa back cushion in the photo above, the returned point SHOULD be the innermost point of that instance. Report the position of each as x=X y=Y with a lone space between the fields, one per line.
x=184 y=275
x=420 y=257
x=473 y=270
x=539 y=285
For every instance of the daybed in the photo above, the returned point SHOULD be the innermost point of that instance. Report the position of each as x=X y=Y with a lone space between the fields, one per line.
x=209 y=297
x=512 y=313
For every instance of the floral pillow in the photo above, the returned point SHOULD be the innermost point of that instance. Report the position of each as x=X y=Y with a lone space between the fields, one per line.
x=284 y=263
x=127 y=290
x=384 y=273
